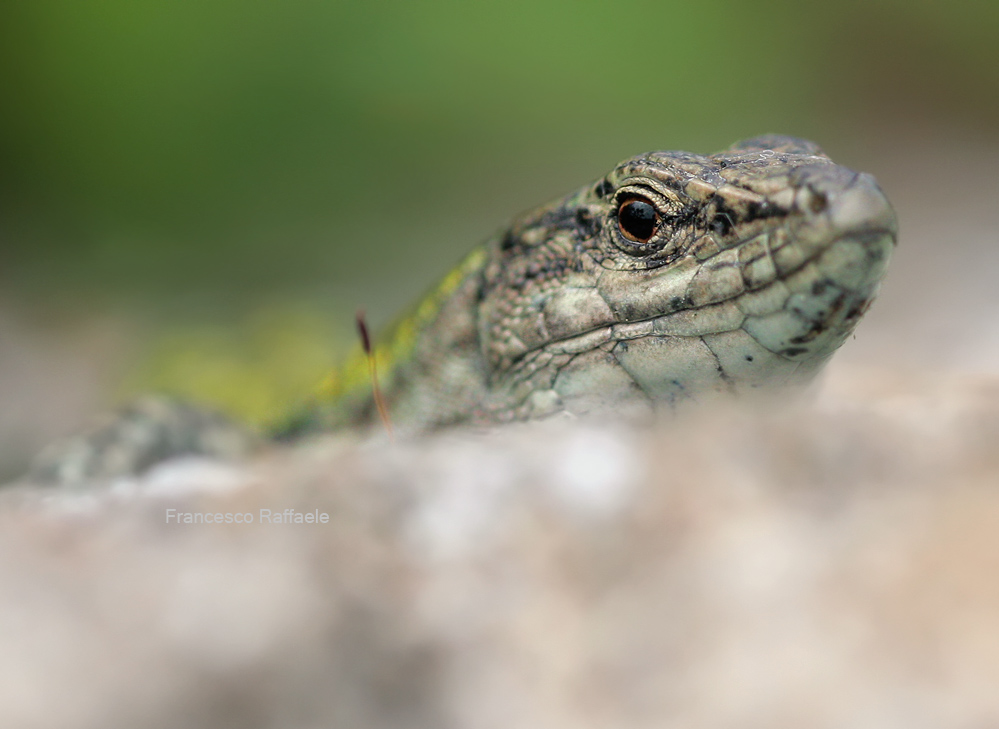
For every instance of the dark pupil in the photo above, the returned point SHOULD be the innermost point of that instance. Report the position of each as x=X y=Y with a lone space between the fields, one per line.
x=637 y=220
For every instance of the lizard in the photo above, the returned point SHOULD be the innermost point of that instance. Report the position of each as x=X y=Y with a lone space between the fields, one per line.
x=674 y=278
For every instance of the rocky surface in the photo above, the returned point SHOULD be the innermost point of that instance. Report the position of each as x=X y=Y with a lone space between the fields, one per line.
x=824 y=564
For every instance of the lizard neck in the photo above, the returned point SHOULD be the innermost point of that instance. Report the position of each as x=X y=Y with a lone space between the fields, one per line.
x=428 y=362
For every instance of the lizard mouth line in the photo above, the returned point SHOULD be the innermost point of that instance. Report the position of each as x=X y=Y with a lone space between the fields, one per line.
x=721 y=315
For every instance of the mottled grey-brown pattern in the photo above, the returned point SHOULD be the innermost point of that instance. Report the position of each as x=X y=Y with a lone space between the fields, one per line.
x=745 y=269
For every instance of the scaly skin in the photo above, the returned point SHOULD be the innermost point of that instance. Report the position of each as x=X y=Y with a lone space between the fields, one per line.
x=743 y=270
x=763 y=259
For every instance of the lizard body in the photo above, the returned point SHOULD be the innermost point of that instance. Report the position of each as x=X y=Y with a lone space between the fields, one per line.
x=741 y=270
x=674 y=278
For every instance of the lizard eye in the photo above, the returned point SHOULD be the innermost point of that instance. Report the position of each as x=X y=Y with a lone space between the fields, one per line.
x=637 y=218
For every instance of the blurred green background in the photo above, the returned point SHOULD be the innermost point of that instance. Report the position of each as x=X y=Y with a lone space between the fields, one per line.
x=228 y=181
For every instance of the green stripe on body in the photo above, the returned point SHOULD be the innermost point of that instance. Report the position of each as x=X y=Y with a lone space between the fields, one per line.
x=350 y=383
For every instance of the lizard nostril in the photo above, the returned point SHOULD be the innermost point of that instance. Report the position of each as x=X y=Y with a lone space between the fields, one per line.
x=818 y=202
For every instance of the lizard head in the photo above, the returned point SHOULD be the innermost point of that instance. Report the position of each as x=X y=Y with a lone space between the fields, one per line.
x=679 y=275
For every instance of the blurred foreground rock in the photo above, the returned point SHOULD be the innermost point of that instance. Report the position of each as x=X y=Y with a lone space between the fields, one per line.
x=826 y=565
